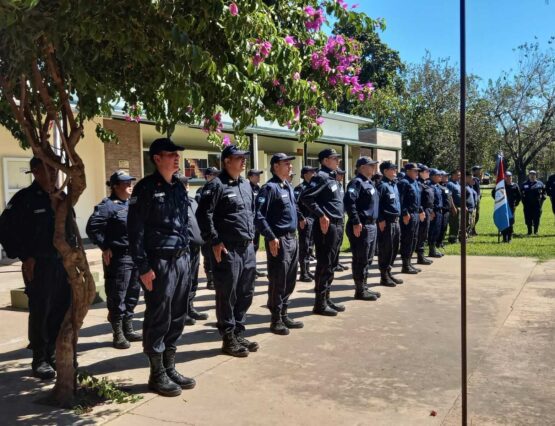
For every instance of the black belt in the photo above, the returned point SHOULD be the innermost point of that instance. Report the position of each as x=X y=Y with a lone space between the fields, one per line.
x=120 y=251
x=369 y=221
x=243 y=243
x=289 y=235
x=334 y=220
x=169 y=254
x=393 y=220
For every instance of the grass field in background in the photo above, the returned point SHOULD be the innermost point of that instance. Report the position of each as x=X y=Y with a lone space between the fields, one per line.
x=541 y=246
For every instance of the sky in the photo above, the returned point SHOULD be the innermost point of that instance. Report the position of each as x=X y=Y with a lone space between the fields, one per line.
x=494 y=28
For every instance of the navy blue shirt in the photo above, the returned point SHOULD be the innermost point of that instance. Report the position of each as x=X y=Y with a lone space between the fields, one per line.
x=194 y=231
x=276 y=212
x=426 y=195
x=471 y=198
x=439 y=198
x=107 y=226
x=409 y=193
x=361 y=200
x=533 y=193
x=455 y=188
x=225 y=212
x=390 y=202
x=323 y=196
x=447 y=197
x=158 y=219
x=302 y=210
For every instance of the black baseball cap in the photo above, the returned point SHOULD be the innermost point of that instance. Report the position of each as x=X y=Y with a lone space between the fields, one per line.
x=307 y=169
x=254 y=172
x=163 y=144
x=280 y=156
x=211 y=171
x=119 y=176
x=386 y=165
x=435 y=172
x=328 y=152
x=233 y=150
x=474 y=168
x=33 y=164
x=411 y=166
x=422 y=167
x=362 y=161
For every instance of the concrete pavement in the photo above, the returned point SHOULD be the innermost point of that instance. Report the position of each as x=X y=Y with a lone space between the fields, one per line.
x=390 y=362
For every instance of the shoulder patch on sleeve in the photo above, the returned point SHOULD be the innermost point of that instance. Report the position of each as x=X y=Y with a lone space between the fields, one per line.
x=352 y=190
x=261 y=199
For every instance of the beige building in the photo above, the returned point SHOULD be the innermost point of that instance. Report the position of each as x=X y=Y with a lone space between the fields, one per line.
x=341 y=131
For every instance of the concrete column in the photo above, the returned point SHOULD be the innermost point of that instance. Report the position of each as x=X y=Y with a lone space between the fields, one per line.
x=254 y=147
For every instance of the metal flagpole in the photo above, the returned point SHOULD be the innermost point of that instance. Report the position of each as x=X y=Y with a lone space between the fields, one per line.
x=463 y=207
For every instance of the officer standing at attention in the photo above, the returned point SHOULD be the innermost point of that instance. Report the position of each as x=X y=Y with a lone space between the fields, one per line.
x=159 y=243
x=226 y=219
x=411 y=215
x=361 y=203
x=306 y=224
x=276 y=220
x=340 y=177
x=427 y=204
x=107 y=228
x=253 y=176
x=454 y=187
x=471 y=202
x=533 y=196
x=209 y=174
x=195 y=244
x=389 y=233
x=26 y=232
x=324 y=201
x=437 y=221
x=448 y=207
x=477 y=179
x=513 y=199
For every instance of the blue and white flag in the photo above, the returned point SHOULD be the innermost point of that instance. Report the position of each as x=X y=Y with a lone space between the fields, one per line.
x=501 y=211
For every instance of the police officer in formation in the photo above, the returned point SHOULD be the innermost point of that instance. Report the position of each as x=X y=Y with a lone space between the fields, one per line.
x=340 y=177
x=209 y=174
x=195 y=244
x=305 y=225
x=159 y=244
x=427 y=203
x=448 y=207
x=411 y=216
x=226 y=219
x=323 y=200
x=533 y=196
x=107 y=228
x=477 y=180
x=471 y=203
x=27 y=231
x=362 y=207
x=454 y=187
x=389 y=232
x=512 y=192
x=437 y=219
x=253 y=175
x=276 y=220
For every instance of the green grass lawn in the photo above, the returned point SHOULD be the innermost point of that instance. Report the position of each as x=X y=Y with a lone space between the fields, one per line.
x=541 y=247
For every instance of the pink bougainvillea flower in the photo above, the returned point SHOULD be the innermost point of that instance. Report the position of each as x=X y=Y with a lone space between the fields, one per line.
x=310 y=42
x=233 y=9
x=319 y=121
x=290 y=40
x=279 y=102
x=297 y=112
x=296 y=76
x=226 y=141
x=275 y=82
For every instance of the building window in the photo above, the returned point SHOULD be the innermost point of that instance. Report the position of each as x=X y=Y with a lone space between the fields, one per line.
x=313 y=162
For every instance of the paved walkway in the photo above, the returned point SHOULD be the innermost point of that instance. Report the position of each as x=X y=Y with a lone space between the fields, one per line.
x=390 y=362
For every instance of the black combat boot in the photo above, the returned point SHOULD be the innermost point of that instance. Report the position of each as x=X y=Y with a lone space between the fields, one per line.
x=422 y=260
x=41 y=368
x=412 y=266
x=120 y=342
x=173 y=374
x=385 y=279
x=159 y=381
x=310 y=274
x=210 y=281
x=395 y=280
x=304 y=277
x=321 y=306
x=361 y=293
x=251 y=346
x=277 y=326
x=196 y=315
x=259 y=273
x=335 y=306
x=289 y=322
x=129 y=333
x=433 y=251
x=232 y=347
x=190 y=321
x=407 y=267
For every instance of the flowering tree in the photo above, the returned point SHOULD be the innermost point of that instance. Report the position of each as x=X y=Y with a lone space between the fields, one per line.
x=66 y=62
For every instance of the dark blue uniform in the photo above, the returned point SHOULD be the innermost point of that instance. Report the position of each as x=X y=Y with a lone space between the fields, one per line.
x=409 y=193
x=226 y=215
x=471 y=203
x=427 y=204
x=437 y=222
x=455 y=189
x=255 y=191
x=362 y=207
x=390 y=211
x=477 y=189
x=195 y=244
x=533 y=196
x=205 y=250
x=107 y=228
x=27 y=230
x=447 y=206
x=159 y=241
x=276 y=218
x=323 y=197
x=305 y=233
x=550 y=190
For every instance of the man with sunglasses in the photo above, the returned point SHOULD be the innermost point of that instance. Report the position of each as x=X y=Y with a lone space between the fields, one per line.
x=226 y=219
x=159 y=244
